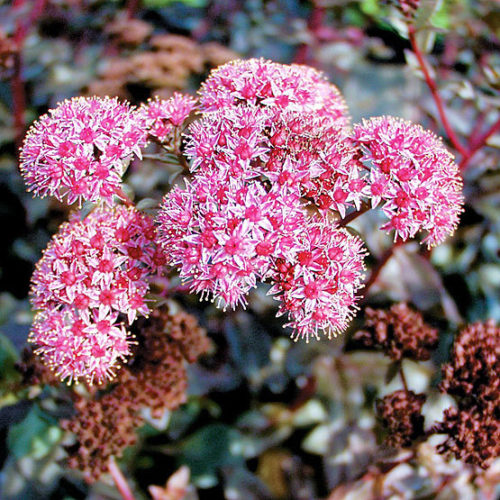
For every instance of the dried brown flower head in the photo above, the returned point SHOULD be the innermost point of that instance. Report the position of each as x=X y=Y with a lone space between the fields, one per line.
x=166 y=65
x=154 y=379
x=33 y=371
x=400 y=332
x=473 y=435
x=103 y=427
x=129 y=31
x=474 y=370
x=401 y=414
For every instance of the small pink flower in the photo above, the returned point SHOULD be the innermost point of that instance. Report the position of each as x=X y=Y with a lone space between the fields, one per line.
x=413 y=176
x=80 y=150
x=161 y=116
x=92 y=271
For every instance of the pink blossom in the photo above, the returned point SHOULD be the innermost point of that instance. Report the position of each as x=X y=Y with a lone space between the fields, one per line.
x=413 y=176
x=161 y=116
x=318 y=287
x=77 y=346
x=309 y=152
x=79 y=150
x=222 y=233
x=276 y=87
x=92 y=271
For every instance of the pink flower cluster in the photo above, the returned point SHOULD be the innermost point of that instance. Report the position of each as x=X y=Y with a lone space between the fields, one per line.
x=277 y=87
x=79 y=150
x=274 y=164
x=92 y=276
x=413 y=176
x=161 y=116
x=270 y=135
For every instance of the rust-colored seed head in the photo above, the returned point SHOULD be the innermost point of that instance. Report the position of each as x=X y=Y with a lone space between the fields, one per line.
x=473 y=374
x=473 y=435
x=400 y=332
x=155 y=378
x=33 y=371
x=401 y=414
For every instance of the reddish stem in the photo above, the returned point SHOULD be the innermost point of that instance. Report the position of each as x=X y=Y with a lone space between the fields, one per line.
x=121 y=194
x=314 y=23
x=119 y=480
x=435 y=92
x=132 y=8
x=17 y=84
x=478 y=143
x=403 y=377
x=380 y=265
x=18 y=100
x=354 y=215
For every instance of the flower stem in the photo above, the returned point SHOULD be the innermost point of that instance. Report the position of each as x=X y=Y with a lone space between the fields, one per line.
x=478 y=143
x=403 y=377
x=119 y=480
x=380 y=265
x=23 y=25
x=435 y=92
x=354 y=215
x=123 y=197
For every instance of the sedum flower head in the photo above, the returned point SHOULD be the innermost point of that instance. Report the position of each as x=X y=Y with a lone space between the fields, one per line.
x=79 y=150
x=307 y=152
x=317 y=284
x=222 y=233
x=161 y=116
x=273 y=86
x=474 y=369
x=400 y=413
x=413 y=176
x=93 y=275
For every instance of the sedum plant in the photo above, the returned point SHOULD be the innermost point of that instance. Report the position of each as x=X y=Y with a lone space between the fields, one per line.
x=274 y=171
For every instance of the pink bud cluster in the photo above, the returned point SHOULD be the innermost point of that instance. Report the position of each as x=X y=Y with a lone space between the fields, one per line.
x=413 y=177
x=92 y=279
x=270 y=137
x=161 y=116
x=79 y=150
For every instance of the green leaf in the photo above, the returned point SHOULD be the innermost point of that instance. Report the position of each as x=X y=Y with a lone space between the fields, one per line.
x=209 y=449
x=35 y=435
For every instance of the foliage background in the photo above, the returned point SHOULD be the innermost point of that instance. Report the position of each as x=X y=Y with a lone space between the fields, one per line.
x=266 y=417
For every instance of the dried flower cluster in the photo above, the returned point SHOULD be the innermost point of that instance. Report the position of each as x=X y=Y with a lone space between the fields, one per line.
x=160 y=64
x=474 y=369
x=155 y=379
x=401 y=415
x=473 y=435
x=92 y=275
x=33 y=371
x=400 y=332
x=473 y=378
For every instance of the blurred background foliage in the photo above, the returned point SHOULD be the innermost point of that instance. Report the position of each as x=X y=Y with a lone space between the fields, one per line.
x=266 y=417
